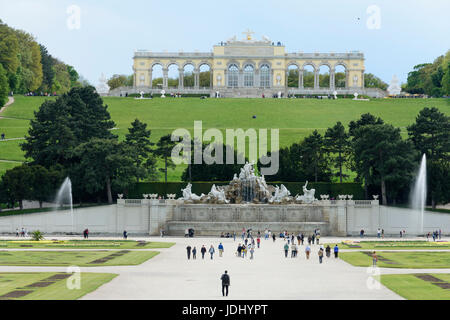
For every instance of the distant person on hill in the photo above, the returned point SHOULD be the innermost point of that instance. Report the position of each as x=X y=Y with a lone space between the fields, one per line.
x=3 y=136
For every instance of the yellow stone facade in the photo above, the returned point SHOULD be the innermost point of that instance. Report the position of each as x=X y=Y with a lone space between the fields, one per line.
x=250 y=67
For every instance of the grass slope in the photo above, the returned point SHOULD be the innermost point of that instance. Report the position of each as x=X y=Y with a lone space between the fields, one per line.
x=295 y=118
x=10 y=282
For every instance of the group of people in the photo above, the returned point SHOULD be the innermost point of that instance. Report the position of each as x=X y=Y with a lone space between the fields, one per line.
x=21 y=233
x=193 y=250
x=436 y=235
x=321 y=252
x=290 y=238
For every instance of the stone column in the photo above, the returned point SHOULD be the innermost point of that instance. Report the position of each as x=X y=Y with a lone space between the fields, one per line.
x=316 y=79
x=165 y=78
x=211 y=78
x=241 y=79
x=196 y=78
x=362 y=79
x=332 y=71
x=256 y=82
x=300 y=78
x=346 y=79
x=180 y=78
x=135 y=80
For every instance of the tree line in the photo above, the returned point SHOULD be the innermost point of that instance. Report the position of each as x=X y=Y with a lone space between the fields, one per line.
x=26 y=66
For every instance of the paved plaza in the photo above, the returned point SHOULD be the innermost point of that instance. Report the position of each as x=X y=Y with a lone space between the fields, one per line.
x=269 y=275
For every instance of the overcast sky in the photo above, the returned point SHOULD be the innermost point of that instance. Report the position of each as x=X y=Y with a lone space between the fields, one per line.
x=408 y=32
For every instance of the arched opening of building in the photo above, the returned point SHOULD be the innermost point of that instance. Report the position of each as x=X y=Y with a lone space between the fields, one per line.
x=308 y=76
x=233 y=76
x=188 y=76
x=205 y=76
x=173 y=76
x=324 y=76
x=157 y=76
x=339 y=76
x=264 y=76
x=292 y=76
x=249 y=75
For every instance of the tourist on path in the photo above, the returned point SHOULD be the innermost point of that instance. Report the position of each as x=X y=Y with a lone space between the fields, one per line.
x=374 y=259
x=239 y=249
x=328 y=251
x=186 y=233
x=293 y=250
x=336 y=251
x=307 y=251
x=299 y=238
x=234 y=236
x=203 y=251
x=320 y=255
x=313 y=238
x=194 y=253
x=286 y=250
x=225 y=283
x=273 y=237
x=318 y=238
x=244 y=250
x=125 y=234
x=188 y=248
x=252 y=250
x=302 y=237
x=220 y=247
x=258 y=241
x=382 y=233
x=211 y=251
x=379 y=233
x=266 y=234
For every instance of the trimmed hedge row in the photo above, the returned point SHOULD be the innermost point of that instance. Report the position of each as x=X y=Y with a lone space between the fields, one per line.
x=162 y=188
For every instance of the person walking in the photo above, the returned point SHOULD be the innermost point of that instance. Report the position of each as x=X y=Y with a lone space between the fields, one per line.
x=125 y=234
x=252 y=250
x=194 y=253
x=307 y=251
x=336 y=251
x=258 y=241
x=317 y=238
x=203 y=251
x=299 y=238
x=188 y=249
x=239 y=250
x=211 y=251
x=220 y=247
x=244 y=251
x=328 y=251
x=378 y=233
x=286 y=250
x=293 y=250
x=382 y=233
x=234 y=235
x=374 y=259
x=17 y=232
x=302 y=238
x=225 y=283
x=273 y=237
x=320 y=253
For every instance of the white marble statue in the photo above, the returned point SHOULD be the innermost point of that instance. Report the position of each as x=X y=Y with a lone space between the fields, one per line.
x=102 y=87
x=308 y=195
x=394 y=88
x=188 y=195
x=280 y=194
x=217 y=193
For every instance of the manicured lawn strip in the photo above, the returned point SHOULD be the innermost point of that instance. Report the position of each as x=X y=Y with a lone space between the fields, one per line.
x=414 y=260
x=85 y=244
x=392 y=245
x=6 y=166
x=57 y=291
x=412 y=288
x=68 y=258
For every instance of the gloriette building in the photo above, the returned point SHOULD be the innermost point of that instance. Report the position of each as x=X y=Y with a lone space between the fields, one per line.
x=249 y=68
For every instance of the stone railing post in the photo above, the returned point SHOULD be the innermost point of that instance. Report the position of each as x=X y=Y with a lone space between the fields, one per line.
x=196 y=78
x=165 y=78
x=180 y=78
x=300 y=79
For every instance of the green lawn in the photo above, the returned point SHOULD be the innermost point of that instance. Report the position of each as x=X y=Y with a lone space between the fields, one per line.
x=55 y=289
x=393 y=245
x=419 y=260
x=295 y=118
x=413 y=288
x=85 y=244
x=77 y=258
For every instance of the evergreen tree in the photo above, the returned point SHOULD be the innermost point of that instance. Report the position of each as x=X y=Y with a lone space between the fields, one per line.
x=337 y=142
x=313 y=159
x=4 y=86
x=164 y=150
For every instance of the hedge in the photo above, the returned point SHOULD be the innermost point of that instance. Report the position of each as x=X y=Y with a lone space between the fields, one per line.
x=162 y=188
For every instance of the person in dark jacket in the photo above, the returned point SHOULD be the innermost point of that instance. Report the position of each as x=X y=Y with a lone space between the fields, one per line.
x=125 y=234
x=203 y=251
x=194 y=253
x=188 y=248
x=328 y=251
x=336 y=251
x=225 y=283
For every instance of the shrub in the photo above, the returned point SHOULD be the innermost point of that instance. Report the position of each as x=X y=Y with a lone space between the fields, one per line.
x=37 y=235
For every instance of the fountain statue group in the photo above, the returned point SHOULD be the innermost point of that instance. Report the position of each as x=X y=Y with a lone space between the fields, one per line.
x=248 y=188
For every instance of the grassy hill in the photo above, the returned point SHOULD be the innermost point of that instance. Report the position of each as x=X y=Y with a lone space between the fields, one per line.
x=295 y=118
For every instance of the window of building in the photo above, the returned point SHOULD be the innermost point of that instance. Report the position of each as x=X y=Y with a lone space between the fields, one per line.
x=264 y=76
x=233 y=75
x=248 y=76
x=355 y=81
